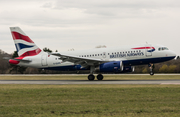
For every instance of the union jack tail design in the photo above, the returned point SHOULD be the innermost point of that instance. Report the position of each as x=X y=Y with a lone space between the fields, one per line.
x=24 y=45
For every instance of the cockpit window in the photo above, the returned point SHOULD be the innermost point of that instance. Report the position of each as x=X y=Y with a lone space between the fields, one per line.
x=163 y=48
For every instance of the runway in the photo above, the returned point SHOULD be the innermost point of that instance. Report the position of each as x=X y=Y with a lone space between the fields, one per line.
x=66 y=82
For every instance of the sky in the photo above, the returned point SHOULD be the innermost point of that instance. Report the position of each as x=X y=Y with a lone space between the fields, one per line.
x=80 y=24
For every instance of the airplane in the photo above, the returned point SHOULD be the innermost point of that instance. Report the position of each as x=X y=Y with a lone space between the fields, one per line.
x=103 y=60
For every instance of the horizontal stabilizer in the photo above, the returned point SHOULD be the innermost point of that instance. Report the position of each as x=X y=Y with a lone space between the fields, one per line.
x=21 y=60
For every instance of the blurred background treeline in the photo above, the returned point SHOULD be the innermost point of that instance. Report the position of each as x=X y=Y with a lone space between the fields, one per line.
x=172 y=66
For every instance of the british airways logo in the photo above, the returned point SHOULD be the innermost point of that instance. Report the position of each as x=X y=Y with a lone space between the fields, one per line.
x=127 y=55
x=149 y=49
x=134 y=53
x=24 y=45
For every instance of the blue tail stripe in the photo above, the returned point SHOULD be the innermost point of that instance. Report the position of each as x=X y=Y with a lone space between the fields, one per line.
x=20 y=46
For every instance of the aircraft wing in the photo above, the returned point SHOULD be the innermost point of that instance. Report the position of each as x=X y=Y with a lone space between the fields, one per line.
x=85 y=62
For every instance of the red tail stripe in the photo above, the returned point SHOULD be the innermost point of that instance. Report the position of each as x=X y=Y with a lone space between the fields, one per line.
x=31 y=53
x=144 y=48
x=20 y=57
x=14 y=61
x=17 y=36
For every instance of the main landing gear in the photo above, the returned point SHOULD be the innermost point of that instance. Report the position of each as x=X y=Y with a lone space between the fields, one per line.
x=92 y=77
x=151 y=67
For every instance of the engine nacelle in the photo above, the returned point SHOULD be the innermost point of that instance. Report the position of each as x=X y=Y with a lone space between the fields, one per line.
x=114 y=66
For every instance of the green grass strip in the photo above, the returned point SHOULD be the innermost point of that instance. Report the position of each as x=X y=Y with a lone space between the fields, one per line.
x=89 y=100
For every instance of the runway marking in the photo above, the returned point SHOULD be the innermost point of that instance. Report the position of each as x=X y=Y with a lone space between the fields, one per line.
x=170 y=83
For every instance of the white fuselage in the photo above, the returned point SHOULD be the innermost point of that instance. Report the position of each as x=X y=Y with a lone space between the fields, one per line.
x=130 y=55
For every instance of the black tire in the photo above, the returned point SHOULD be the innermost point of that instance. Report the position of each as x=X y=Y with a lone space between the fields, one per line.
x=151 y=73
x=91 y=77
x=99 y=76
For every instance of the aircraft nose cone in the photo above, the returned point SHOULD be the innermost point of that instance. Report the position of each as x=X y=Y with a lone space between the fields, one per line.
x=173 y=54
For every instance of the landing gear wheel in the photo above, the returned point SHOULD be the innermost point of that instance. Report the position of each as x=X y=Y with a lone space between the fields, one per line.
x=151 y=73
x=99 y=76
x=91 y=77
x=151 y=67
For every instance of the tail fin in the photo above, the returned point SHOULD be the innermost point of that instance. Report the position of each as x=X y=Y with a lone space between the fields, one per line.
x=24 y=45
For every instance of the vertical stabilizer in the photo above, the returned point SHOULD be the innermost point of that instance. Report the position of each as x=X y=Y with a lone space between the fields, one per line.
x=24 y=45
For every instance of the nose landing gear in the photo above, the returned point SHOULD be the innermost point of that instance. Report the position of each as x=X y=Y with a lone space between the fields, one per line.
x=151 y=67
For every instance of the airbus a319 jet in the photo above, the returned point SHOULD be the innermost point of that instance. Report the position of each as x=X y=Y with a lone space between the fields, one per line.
x=103 y=60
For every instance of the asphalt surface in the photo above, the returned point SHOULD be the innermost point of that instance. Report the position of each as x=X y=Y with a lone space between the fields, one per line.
x=64 y=82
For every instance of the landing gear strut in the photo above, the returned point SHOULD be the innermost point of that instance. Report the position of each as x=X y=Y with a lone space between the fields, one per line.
x=91 y=76
x=151 y=67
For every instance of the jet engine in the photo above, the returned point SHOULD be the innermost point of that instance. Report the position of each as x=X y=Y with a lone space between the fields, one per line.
x=114 y=67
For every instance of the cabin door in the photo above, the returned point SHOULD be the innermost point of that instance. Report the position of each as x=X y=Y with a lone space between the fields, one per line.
x=44 y=60
x=104 y=54
x=148 y=50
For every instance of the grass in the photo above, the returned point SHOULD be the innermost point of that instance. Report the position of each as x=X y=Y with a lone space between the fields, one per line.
x=89 y=100
x=84 y=77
